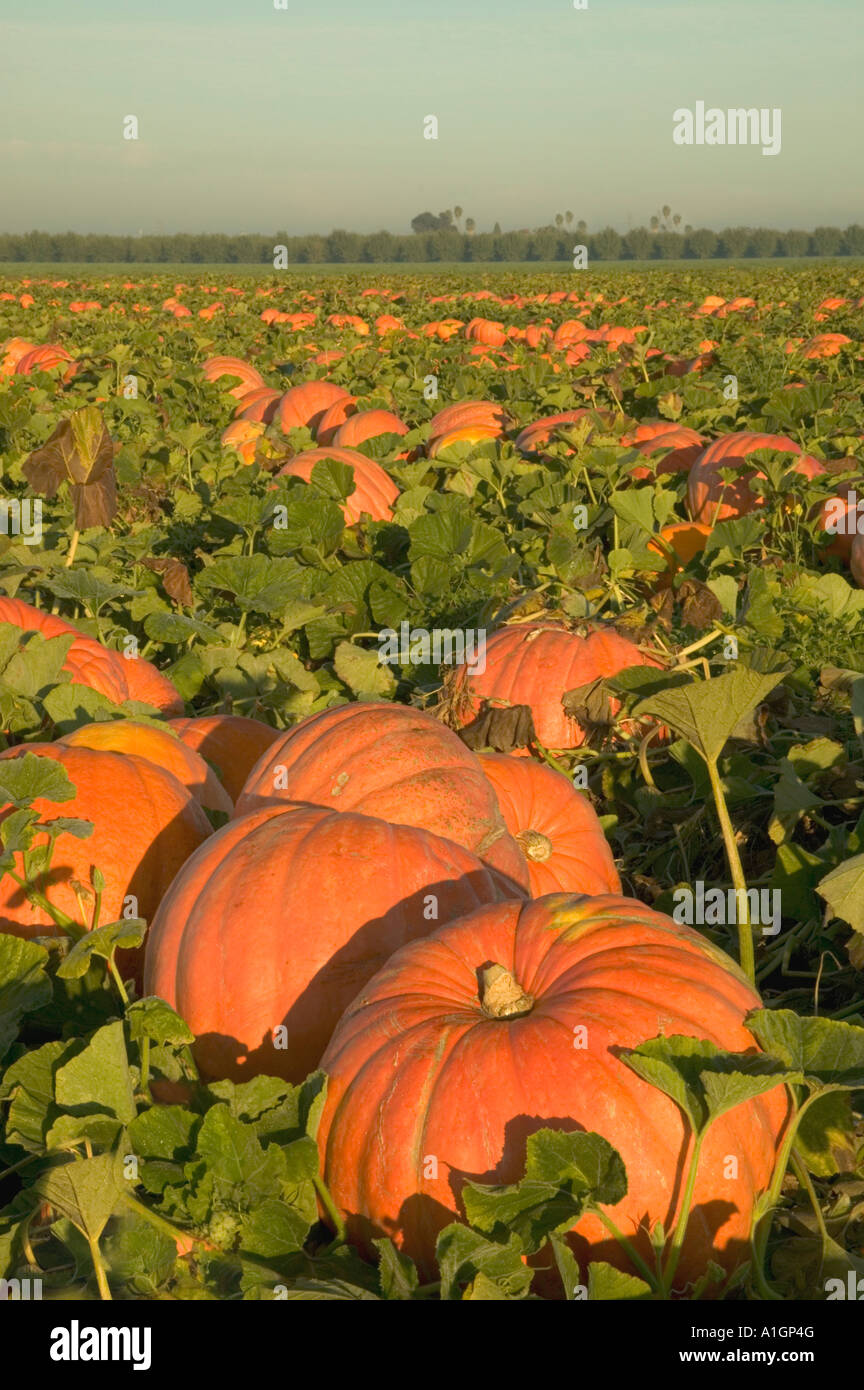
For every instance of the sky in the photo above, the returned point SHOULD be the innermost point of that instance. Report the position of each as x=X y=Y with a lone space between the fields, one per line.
x=310 y=117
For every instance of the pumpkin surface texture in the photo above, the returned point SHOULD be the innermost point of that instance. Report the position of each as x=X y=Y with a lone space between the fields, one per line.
x=229 y=742
x=393 y=762
x=418 y=1067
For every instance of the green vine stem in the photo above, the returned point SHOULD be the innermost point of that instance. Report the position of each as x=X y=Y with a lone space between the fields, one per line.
x=332 y=1211
x=746 y=952
x=763 y=1229
x=626 y=1245
x=681 y=1224
x=99 y=1267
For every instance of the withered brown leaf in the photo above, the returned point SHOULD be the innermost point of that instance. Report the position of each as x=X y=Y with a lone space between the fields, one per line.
x=80 y=452
x=501 y=728
x=175 y=578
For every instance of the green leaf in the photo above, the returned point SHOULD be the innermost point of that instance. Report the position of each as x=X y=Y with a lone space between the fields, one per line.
x=825 y=1137
x=362 y=672
x=462 y=1254
x=396 y=1273
x=31 y=777
x=273 y=1229
x=103 y=942
x=843 y=890
x=703 y=1081
x=153 y=1018
x=98 y=1077
x=28 y=1084
x=85 y=1190
x=24 y=985
x=828 y=1054
x=238 y=1163
x=164 y=1131
x=706 y=712
x=607 y=1283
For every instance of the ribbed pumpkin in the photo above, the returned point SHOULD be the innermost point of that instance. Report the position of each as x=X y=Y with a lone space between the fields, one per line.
x=418 y=1069
x=650 y=437
x=532 y=437
x=250 y=379
x=146 y=825
x=555 y=826
x=335 y=416
x=536 y=664
x=160 y=747
x=284 y=915
x=710 y=500
x=229 y=742
x=374 y=489
x=468 y=434
x=390 y=761
x=849 y=497
x=302 y=406
x=243 y=435
x=463 y=414
x=116 y=677
x=368 y=424
x=258 y=404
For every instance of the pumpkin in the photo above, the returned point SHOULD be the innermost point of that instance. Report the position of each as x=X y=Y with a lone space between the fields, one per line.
x=302 y=406
x=368 y=424
x=334 y=416
x=710 y=500
x=490 y=332
x=554 y=825
x=466 y=413
x=258 y=404
x=249 y=379
x=530 y=439
x=390 y=761
x=843 y=509
x=428 y=1063
x=683 y=444
x=116 y=677
x=243 y=436
x=471 y=434
x=284 y=915
x=685 y=539
x=229 y=742
x=374 y=490
x=146 y=825
x=160 y=747
x=536 y=664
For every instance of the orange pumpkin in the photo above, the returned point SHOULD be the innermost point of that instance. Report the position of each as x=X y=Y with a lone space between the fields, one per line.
x=374 y=490
x=229 y=742
x=303 y=406
x=160 y=747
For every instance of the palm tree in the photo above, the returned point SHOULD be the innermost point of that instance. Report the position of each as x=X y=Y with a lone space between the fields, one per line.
x=457 y=213
x=568 y=216
x=470 y=225
x=559 y=220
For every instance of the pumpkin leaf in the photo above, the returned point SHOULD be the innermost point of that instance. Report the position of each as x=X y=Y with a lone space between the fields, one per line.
x=825 y=1138
x=363 y=673
x=843 y=890
x=28 y=1085
x=707 y=712
x=703 y=1081
x=823 y=1053
x=98 y=1077
x=606 y=1283
x=104 y=941
x=85 y=1190
x=30 y=778
x=397 y=1274
x=462 y=1254
x=153 y=1018
x=24 y=985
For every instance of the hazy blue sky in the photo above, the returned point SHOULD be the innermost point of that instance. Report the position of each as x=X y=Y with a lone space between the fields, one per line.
x=253 y=118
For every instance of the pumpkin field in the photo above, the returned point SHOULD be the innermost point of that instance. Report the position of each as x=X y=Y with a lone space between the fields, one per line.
x=432 y=784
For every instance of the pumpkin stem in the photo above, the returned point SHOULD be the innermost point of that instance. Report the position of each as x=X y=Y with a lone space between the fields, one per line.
x=535 y=845
x=501 y=996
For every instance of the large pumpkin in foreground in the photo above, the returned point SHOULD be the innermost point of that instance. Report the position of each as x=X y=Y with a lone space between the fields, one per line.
x=116 y=677
x=419 y=1071
x=536 y=664
x=555 y=826
x=158 y=746
x=374 y=491
x=284 y=915
x=393 y=762
x=146 y=825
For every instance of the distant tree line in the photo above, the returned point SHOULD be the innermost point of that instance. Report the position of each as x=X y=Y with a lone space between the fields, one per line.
x=442 y=243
